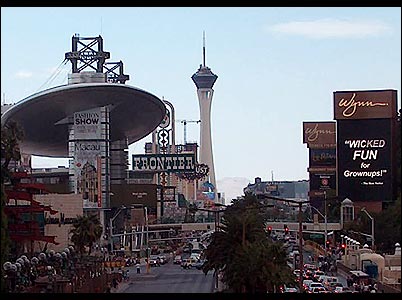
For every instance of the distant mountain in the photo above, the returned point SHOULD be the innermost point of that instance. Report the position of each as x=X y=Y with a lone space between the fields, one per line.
x=232 y=187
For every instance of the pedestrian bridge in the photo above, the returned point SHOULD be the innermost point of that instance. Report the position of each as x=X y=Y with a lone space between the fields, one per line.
x=293 y=226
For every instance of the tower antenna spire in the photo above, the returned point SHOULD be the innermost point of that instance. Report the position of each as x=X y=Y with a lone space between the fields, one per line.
x=203 y=48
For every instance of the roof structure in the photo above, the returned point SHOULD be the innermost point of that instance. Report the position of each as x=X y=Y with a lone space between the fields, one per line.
x=44 y=116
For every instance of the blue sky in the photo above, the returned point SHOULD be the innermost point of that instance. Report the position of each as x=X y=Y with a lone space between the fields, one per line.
x=276 y=67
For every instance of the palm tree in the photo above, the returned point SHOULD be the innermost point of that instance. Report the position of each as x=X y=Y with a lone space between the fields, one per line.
x=248 y=260
x=86 y=230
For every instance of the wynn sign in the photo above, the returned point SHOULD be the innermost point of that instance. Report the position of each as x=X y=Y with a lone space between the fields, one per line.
x=319 y=134
x=320 y=138
x=365 y=105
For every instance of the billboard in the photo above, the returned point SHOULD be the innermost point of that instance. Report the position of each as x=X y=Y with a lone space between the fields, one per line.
x=87 y=124
x=365 y=159
x=322 y=157
x=87 y=171
x=319 y=134
x=324 y=181
x=88 y=148
x=365 y=104
x=170 y=163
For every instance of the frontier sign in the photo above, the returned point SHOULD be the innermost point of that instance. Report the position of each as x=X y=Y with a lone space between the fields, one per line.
x=170 y=163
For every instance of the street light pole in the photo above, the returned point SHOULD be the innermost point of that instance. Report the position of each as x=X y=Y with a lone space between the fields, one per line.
x=325 y=229
x=216 y=225
x=216 y=229
x=147 y=237
x=300 y=247
x=111 y=227
x=111 y=235
x=372 y=227
x=300 y=203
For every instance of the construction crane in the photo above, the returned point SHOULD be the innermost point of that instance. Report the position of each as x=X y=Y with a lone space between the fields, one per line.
x=184 y=122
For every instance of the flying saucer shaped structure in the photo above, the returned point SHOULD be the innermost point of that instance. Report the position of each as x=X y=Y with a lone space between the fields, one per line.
x=134 y=113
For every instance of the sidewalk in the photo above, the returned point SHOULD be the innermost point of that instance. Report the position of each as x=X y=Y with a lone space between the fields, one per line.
x=133 y=276
x=121 y=287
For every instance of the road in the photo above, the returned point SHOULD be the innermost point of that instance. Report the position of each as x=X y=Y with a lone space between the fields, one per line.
x=341 y=277
x=172 y=278
x=169 y=278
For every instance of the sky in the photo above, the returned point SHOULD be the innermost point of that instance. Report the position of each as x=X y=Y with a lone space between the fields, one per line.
x=277 y=68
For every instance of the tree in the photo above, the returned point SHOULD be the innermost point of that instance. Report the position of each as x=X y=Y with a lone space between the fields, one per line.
x=248 y=259
x=388 y=227
x=86 y=230
x=11 y=135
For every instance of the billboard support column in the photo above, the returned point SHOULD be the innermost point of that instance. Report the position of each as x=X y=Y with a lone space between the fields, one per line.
x=325 y=219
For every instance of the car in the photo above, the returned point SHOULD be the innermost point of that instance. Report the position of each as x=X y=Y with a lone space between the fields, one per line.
x=316 y=290
x=188 y=263
x=199 y=263
x=308 y=274
x=342 y=289
x=154 y=261
x=177 y=260
x=310 y=267
x=306 y=284
x=163 y=259
x=317 y=274
x=314 y=285
x=290 y=290
x=328 y=279
x=331 y=286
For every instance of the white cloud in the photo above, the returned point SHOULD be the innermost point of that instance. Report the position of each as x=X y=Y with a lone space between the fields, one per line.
x=23 y=74
x=332 y=28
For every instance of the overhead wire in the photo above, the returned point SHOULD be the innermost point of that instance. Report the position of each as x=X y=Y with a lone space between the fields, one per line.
x=63 y=76
x=54 y=74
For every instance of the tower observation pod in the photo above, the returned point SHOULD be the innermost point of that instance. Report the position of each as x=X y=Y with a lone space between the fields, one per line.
x=204 y=80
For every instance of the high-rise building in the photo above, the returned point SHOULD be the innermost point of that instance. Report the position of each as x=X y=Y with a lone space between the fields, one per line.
x=204 y=80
